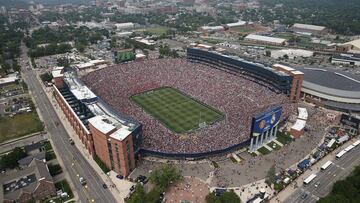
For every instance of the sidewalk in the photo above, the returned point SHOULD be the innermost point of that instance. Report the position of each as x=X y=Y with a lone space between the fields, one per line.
x=106 y=179
x=289 y=190
x=66 y=174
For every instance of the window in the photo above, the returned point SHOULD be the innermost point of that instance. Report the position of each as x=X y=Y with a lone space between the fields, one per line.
x=110 y=155
x=117 y=155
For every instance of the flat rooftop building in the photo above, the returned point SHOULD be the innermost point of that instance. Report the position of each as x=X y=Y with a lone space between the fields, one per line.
x=331 y=88
x=349 y=59
x=306 y=28
x=112 y=137
x=8 y=80
x=265 y=39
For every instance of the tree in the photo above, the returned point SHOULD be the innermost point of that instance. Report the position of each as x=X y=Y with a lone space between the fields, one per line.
x=154 y=195
x=80 y=47
x=345 y=191
x=226 y=197
x=46 y=77
x=63 y=61
x=165 y=50
x=164 y=176
x=16 y=66
x=10 y=160
x=138 y=195
x=268 y=53
x=270 y=176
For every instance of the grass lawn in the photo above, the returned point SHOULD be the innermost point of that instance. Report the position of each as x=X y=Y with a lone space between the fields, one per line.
x=19 y=125
x=274 y=146
x=244 y=30
x=50 y=155
x=284 y=35
x=9 y=87
x=283 y=138
x=263 y=151
x=176 y=111
x=157 y=30
x=47 y=146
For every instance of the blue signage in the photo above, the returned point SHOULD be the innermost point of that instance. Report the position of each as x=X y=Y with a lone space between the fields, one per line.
x=265 y=121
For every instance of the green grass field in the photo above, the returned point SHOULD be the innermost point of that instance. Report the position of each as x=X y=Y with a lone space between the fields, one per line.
x=125 y=56
x=175 y=110
x=157 y=30
x=244 y=30
x=19 y=125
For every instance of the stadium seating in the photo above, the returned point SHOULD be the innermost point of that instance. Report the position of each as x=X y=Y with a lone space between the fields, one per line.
x=238 y=98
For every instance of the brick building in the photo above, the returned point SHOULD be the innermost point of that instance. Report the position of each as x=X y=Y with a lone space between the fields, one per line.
x=113 y=138
x=118 y=155
x=297 y=80
x=33 y=182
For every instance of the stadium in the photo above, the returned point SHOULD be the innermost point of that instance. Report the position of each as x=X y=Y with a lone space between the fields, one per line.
x=203 y=105
x=334 y=89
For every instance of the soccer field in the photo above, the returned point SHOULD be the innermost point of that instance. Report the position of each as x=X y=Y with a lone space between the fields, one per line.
x=176 y=111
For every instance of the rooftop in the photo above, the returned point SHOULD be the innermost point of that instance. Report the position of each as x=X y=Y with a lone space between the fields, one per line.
x=284 y=67
x=9 y=79
x=57 y=73
x=128 y=24
x=331 y=78
x=355 y=43
x=121 y=133
x=265 y=38
x=350 y=57
x=239 y=23
x=303 y=114
x=299 y=125
x=309 y=27
x=82 y=92
x=14 y=183
x=212 y=27
x=102 y=124
x=98 y=113
x=85 y=65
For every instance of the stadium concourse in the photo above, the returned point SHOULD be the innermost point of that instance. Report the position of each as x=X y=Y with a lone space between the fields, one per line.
x=238 y=98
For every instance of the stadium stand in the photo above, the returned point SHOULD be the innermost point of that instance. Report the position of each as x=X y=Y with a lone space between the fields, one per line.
x=238 y=98
x=276 y=80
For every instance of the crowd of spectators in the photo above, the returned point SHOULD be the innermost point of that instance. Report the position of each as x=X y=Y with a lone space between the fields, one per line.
x=238 y=98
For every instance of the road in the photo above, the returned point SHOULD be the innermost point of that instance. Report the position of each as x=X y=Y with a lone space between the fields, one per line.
x=75 y=164
x=325 y=179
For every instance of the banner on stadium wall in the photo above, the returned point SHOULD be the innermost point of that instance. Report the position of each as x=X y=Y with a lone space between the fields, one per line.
x=265 y=121
x=350 y=121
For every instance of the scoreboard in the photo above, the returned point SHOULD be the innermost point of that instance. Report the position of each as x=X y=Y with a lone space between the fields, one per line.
x=265 y=121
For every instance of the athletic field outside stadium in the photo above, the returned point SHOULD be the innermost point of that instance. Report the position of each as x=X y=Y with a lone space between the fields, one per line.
x=175 y=110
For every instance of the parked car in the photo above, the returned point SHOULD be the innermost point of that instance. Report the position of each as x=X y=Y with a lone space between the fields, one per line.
x=82 y=180
x=142 y=179
x=304 y=195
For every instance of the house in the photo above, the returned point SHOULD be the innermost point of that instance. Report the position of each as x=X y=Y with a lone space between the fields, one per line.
x=33 y=182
